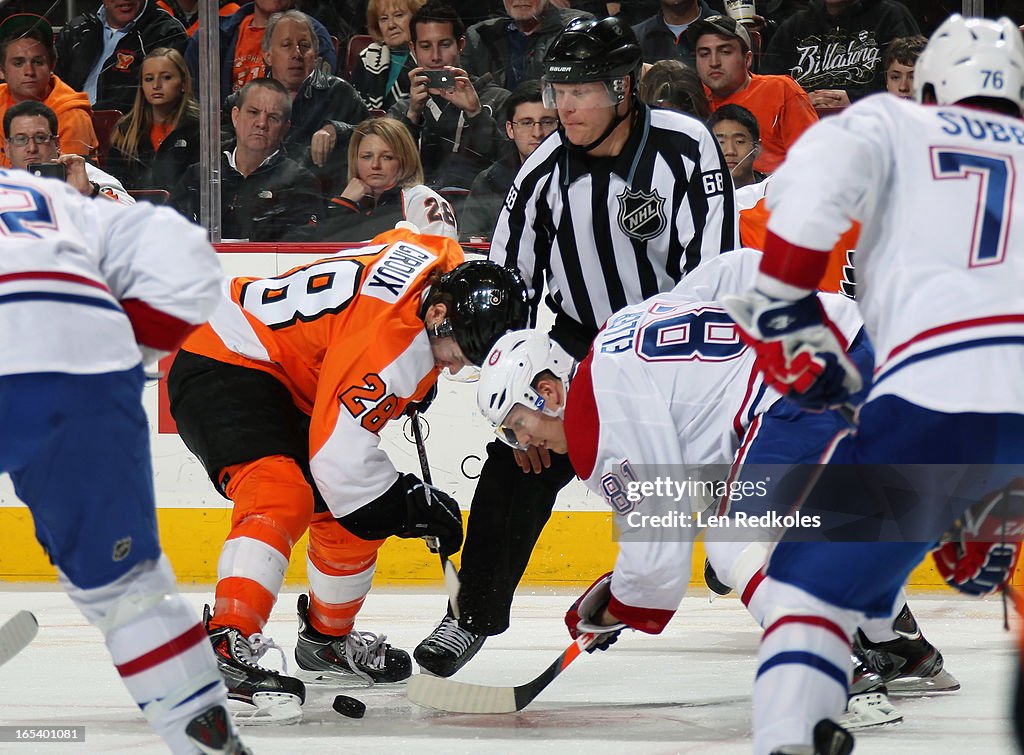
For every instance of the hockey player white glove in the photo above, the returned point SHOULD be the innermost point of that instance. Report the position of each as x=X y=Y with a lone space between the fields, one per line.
x=581 y=618
x=799 y=349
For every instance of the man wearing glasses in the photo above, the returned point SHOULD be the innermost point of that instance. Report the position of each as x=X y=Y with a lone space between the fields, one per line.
x=527 y=124
x=30 y=133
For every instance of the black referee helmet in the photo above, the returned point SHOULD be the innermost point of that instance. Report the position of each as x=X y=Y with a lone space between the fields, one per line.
x=595 y=50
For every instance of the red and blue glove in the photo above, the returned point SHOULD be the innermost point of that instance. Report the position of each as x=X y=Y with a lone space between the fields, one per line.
x=799 y=349
x=978 y=557
x=581 y=618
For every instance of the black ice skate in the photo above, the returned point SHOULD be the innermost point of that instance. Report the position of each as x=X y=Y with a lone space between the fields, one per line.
x=448 y=648
x=276 y=697
x=364 y=655
x=213 y=733
x=713 y=582
x=908 y=664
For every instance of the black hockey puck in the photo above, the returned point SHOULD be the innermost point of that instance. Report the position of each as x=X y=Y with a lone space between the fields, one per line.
x=349 y=706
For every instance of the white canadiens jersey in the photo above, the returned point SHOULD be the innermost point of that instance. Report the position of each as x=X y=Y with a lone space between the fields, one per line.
x=70 y=266
x=939 y=191
x=668 y=387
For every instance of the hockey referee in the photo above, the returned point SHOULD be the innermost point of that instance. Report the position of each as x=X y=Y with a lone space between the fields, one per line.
x=618 y=204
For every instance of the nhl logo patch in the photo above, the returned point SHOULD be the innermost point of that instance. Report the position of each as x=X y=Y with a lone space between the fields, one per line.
x=641 y=214
x=122 y=548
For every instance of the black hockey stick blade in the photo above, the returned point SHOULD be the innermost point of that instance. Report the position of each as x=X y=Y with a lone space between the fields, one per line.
x=459 y=697
x=16 y=634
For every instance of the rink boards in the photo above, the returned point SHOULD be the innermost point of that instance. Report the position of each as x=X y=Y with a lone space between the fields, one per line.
x=576 y=546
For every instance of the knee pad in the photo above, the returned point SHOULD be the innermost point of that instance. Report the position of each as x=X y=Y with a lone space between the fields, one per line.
x=124 y=600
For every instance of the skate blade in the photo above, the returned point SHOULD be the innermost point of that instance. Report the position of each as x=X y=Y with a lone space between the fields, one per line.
x=867 y=710
x=917 y=685
x=279 y=708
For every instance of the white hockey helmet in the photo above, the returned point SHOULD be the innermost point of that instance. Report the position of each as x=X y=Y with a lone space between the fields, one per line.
x=507 y=374
x=972 y=57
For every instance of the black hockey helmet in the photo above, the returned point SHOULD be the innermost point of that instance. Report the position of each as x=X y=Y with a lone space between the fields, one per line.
x=593 y=50
x=487 y=301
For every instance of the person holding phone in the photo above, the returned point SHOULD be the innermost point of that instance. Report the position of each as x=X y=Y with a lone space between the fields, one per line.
x=32 y=144
x=448 y=112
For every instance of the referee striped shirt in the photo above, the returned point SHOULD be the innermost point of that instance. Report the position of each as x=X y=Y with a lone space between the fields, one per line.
x=607 y=232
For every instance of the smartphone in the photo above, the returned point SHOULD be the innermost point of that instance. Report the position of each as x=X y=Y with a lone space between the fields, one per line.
x=47 y=170
x=440 y=79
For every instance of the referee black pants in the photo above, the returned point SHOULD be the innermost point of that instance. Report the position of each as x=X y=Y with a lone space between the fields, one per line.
x=510 y=508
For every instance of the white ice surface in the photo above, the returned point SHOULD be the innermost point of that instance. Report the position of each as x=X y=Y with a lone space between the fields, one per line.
x=687 y=691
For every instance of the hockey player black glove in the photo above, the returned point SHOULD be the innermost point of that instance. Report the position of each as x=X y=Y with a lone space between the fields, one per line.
x=409 y=508
x=432 y=512
x=423 y=404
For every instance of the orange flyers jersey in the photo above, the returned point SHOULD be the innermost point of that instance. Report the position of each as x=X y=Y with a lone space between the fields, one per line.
x=754 y=214
x=344 y=335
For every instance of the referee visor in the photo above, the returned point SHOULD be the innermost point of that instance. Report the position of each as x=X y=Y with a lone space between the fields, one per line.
x=580 y=95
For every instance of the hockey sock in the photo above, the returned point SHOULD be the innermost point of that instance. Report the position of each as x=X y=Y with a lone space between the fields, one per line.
x=340 y=569
x=803 y=666
x=273 y=504
x=158 y=646
x=740 y=565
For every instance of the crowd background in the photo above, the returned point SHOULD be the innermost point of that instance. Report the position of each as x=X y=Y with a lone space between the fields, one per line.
x=299 y=78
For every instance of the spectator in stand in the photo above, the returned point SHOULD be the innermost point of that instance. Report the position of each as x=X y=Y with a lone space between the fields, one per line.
x=27 y=59
x=663 y=35
x=382 y=74
x=265 y=196
x=241 y=45
x=187 y=11
x=674 y=85
x=783 y=110
x=385 y=187
x=153 y=145
x=100 y=52
x=739 y=136
x=30 y=131
x=324 y=107
x=527 y=124
x=834 y=48
x=898 y=62
x=512 y=48
x=455 y=127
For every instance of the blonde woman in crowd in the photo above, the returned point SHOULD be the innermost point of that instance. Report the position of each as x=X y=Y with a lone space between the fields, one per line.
x=159 y=137
x=385 y=187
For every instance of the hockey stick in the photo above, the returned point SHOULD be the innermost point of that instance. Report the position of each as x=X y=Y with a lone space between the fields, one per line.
x=451 y=576
x=16 y=634
x=459 y=697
